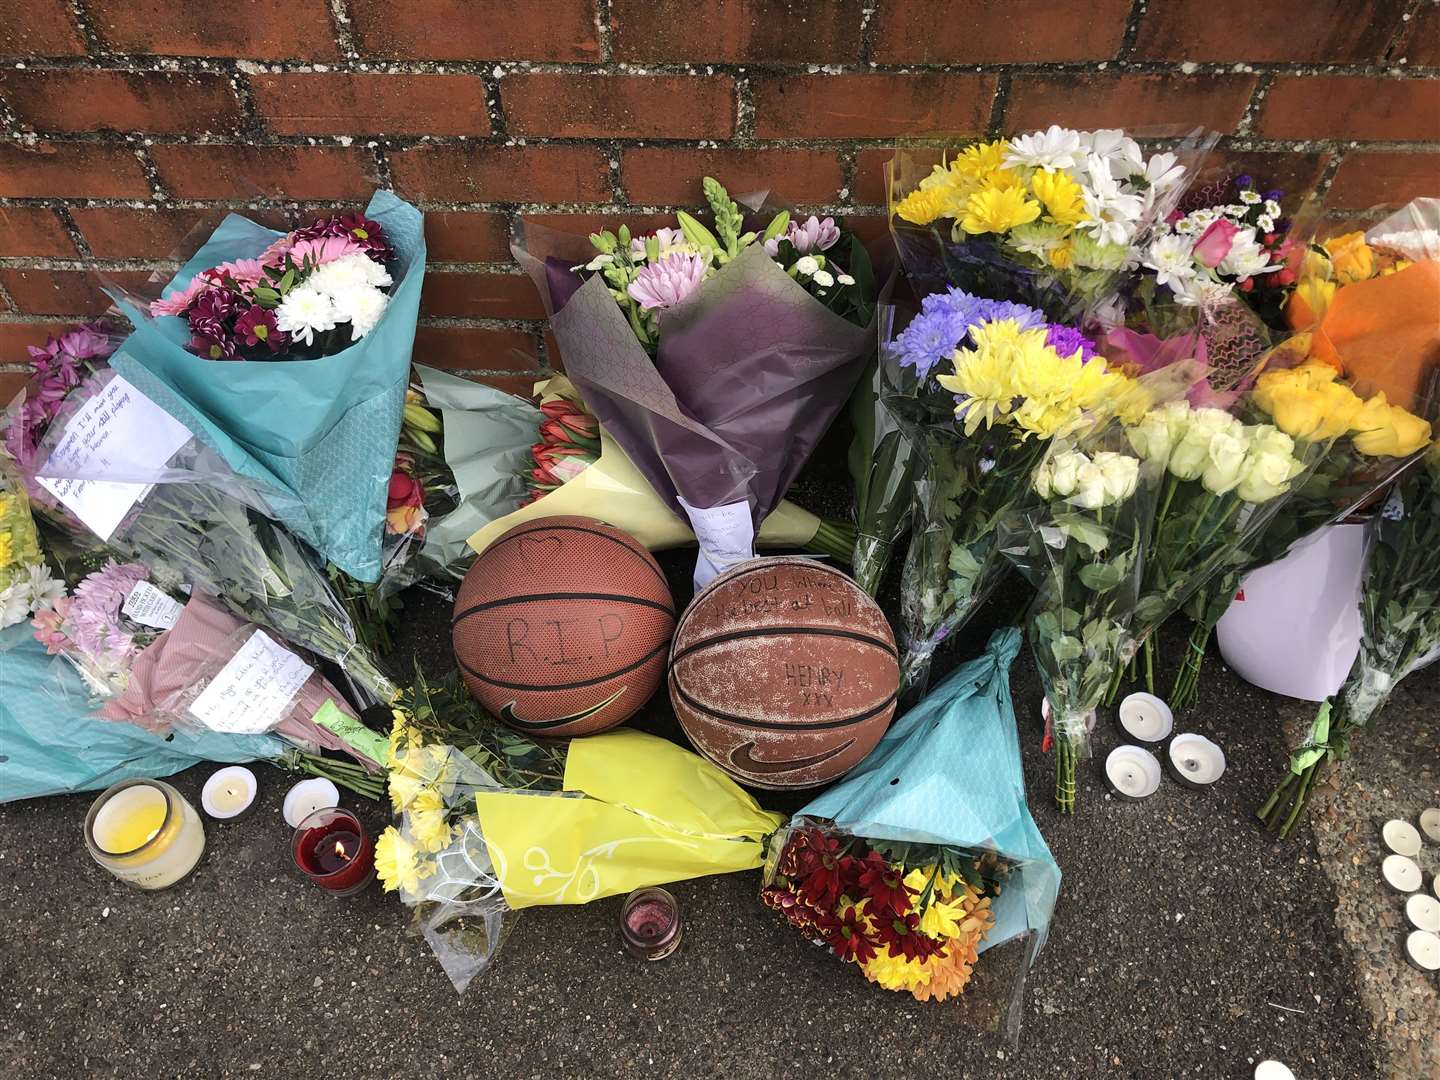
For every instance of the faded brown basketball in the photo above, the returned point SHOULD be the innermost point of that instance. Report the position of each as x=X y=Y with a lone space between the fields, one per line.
x=561 y=626
x=784 y=673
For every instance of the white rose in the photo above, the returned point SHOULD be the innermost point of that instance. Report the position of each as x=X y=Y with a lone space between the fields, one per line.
x=1268 y=439
x=1267 y=475
x=1041 y=480
x=1226 y=460
x=1192 y=453
x=1121 y=473
x=1090 y=486
x=1152 y=438
x=1064 y=470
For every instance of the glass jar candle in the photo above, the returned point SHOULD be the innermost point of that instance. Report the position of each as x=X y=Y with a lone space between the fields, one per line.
x=145 y=833
x=650 y=924
x=331 y=849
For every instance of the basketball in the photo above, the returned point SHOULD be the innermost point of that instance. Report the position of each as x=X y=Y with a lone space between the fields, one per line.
x=561 y=626
x=784 y=673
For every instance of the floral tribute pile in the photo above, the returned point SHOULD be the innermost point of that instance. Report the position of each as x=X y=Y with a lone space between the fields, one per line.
x=293 y=302
x=909 y=916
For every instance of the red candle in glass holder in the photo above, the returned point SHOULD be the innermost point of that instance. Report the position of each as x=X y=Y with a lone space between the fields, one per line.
x=330 y=847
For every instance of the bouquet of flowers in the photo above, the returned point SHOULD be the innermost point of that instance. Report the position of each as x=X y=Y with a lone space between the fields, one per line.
x=25 y=582
x=316 y=433
x=715 y=359
x=113 y=468
x=981 y=387
x=1050 y=218
x=1400 y=616
x=925 y=855
x=1083 y=547
x=491 y=821
x=883 y=464
x=1353 y=446
x=104 y=623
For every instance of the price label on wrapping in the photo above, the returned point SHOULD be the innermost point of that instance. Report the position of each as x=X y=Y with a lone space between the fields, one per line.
x=252 y=693
x=148 y=606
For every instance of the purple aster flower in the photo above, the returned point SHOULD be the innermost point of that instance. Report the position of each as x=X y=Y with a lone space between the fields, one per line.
x=1275 y=195
x=944 y=323
x=1067 y=341
x=665 y=283
x=1244 y=180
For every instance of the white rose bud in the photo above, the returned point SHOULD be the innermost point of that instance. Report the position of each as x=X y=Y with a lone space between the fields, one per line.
x=1041 y=480
x=1226 y=460
x=1152 y=438
x=1089 y=486
x=1121 y=473
x=1064 y=470
x=1267 y=475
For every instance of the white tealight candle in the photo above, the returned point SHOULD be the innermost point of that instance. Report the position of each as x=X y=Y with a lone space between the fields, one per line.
x=306 y=797
x=1133 y=773
x=1401 y=837
x=1273 y=1070
x=1423 y=912
x=1423 y=949
x=1195 y=760
x=229 y=792
x=1400 y=873
x=1430 y=823
x=1146 y=719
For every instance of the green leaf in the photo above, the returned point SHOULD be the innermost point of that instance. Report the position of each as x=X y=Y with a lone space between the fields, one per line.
x=778 y=224
x=1101 y=577
x=286 y=282
x=1083 y=530
x=696 y=233
x=1066 y=648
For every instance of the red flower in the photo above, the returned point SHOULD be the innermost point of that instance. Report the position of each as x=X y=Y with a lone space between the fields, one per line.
x=849 y=938
x=405 y=490
x=257 y=327
x=561 y=416
x=885 y=886
x=823 y=884
x=901 y=935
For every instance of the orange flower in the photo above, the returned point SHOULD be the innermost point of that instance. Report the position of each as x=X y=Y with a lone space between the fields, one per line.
x=1350 y=257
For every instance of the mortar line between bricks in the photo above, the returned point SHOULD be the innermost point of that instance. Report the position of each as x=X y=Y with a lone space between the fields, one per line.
x=867 y=31
x=94 y=43
x=77 y=238
x=603 y=34
x=1253 y=106
x=340 y=28
x=1132 y=30
x=998 y=104
x=1403 y=26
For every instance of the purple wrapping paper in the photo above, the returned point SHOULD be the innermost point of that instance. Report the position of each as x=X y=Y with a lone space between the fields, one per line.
x=750 y=372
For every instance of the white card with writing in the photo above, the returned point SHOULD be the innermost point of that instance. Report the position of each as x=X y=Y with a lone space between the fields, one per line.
x=253 y=692
x=726 y=534
x=148 y=606
x=118 y=432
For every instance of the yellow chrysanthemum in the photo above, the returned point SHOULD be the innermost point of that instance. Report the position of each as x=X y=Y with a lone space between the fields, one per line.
x=922 y=206
x=1064 y=199
x=429 y=827
x=404 y=787
x=1062 y=257
x=985 y=374
x=998 y=209
x=7 y=550
x=403 y=739
x=980 y=160
x=896 y=972
x=397 y=862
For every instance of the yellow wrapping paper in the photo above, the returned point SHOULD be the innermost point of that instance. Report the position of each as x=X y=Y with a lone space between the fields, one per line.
x=653 y=812
x=614 y=491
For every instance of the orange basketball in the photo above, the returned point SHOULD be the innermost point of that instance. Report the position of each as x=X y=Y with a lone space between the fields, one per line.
x=561 y=626
x=784 y=673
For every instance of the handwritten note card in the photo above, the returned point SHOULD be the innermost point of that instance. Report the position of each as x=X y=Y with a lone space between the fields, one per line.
x=118 y=432
x=252 y=693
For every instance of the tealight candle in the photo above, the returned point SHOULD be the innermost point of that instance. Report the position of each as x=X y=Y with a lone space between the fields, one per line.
x=145 y=833
x=1146 y=719
x=1401 y=837
x=331 y=849
x=1273 y=1070
x=229 y=793
x=1400 y=873
x=650 y=924
x=1423 y=912
x=306 y=797
x=1196 y=761
x=1430 y=823
x=1423 y=950
x=1133 y=773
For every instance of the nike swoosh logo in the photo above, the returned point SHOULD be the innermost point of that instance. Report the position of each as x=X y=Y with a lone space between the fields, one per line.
x=509 y=716
x=742 y=758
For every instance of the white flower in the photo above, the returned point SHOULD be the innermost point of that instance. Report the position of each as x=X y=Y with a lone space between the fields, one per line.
x=14 y=604
x=1163 y=172
x=599 y=262
x=32 y=589
x=1114 y=213
x=1121 y=474
x=1272 y=208
x=1065 y=471
x=303 y=312
x=806 y=265
x=1053 y=148
x=346 y=273
x=1250 y=198
x=1090 y=490
x=1266 y=223
x=361 y=308
x=1198 y=290
x=1112 y=143
x=823 y=278
x=1225 y=463
x=1172 y=258
x=845 y=279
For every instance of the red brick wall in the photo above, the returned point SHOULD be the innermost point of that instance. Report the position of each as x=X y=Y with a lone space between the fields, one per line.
x=129 y=123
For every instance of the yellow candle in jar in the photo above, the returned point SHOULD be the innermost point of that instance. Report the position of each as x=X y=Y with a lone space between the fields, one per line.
x=145 y=833
x=131 y=826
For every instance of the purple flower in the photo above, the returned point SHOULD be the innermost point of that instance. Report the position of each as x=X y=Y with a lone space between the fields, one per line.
x=257 y=327
x=665 y=283
x=1275 y=195
x=369 y=235
x=219 y=346
x=944 y=322
x=1067 y=341
x=86 y=343
x=1244 y=180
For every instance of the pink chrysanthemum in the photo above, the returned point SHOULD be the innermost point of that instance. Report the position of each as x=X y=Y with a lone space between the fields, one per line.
x=665 y=283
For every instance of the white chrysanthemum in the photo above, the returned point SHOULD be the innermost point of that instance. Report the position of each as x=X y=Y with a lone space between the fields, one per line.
x=347 y=272
x=1198 y=290
x=1246 y=257
x=1266 y=223
x=806 y=265
x=1272 y=208
x=361 y=307
x=1115 y=146
x=1053 y=148
x=1172 y=258
x=304 y=312
x=1163 y=172
x=823 y=278
x=40 y=587
x=1250 y=198
x=14 y=604
x=1113 y=212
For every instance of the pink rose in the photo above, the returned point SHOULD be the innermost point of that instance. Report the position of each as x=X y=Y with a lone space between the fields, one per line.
x=1214 y=243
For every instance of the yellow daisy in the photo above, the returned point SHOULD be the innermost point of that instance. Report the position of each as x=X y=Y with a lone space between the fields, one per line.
x=1064 y=199
x=997 y=210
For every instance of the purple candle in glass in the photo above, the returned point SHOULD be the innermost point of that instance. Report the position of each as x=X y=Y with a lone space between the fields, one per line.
x=650 y=924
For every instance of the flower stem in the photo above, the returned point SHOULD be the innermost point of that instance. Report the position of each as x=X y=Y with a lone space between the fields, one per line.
x=835 y=539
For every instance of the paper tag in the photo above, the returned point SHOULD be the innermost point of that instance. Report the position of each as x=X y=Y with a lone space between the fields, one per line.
x=118 y=432
x=148 y=606
x=1394 y=506
x=726 y=534
x=353 y=732
x=252 y=693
